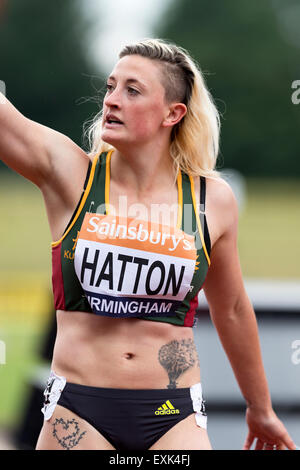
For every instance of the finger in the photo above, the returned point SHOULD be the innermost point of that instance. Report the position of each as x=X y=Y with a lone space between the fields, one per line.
x=248 y=442
x=268 y=446
x=281 y=447
x=288 y=441
x=259 y=445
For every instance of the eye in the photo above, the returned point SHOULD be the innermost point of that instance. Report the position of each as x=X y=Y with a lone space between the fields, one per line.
x=108 y=87
x=132 y=91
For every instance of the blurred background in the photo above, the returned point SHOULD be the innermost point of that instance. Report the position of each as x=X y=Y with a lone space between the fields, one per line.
x=54 y=58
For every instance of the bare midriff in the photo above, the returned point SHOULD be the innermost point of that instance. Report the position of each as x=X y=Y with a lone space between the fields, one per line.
x=126 y=353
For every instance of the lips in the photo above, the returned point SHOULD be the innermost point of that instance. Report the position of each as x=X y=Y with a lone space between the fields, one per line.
x=112 y=119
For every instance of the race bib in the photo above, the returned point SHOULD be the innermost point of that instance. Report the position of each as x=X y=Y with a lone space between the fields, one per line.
x=130 y=268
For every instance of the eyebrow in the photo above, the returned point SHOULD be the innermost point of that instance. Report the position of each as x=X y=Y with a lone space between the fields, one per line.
x=129 y=81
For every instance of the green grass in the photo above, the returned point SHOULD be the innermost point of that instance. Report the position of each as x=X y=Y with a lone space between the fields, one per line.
x=269 y=230
x=25 y=234
x=268 y=243
x=25 y=288
x=22 y=341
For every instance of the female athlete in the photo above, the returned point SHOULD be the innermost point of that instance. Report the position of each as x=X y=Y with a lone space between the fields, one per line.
x=139 y=225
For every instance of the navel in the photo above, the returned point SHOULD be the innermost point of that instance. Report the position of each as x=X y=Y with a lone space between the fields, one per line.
x=128 y=356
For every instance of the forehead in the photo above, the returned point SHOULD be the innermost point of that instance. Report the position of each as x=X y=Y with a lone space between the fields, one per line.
x=139 y=68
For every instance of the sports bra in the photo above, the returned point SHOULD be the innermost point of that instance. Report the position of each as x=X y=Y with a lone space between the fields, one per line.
x=124 y=267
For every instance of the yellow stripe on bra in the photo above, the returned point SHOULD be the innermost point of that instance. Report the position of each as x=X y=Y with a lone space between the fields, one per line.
x=198 y=219
x=179 y=186
x=107 y=182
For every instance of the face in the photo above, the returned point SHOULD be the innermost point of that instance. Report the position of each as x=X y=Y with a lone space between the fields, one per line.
x=136 y=98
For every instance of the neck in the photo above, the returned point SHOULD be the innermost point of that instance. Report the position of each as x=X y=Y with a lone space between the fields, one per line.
x=143 y=169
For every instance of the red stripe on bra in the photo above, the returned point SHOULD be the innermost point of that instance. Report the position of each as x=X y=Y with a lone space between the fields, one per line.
x=57 y=278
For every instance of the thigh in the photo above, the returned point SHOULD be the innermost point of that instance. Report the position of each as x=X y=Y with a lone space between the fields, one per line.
x=67 y=431
x=185 y=435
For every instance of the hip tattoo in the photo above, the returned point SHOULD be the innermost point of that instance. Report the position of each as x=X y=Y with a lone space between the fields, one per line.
x=176 y=358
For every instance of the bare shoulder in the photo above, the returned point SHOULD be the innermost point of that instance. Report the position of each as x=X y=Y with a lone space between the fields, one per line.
x=221 y=208
x=220 y=193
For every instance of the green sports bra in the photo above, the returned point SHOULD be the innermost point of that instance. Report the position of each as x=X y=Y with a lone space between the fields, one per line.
x=124 y=267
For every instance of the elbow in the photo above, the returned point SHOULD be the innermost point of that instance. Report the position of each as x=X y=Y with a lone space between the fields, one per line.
x=233 y=307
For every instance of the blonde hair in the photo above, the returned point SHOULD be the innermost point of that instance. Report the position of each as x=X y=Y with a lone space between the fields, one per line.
x=194 y=142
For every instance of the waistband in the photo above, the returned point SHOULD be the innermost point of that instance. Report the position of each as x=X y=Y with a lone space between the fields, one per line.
x=128 y=393
x=58 y=385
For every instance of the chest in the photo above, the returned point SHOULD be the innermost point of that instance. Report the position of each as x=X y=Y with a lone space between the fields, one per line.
x=158 y=207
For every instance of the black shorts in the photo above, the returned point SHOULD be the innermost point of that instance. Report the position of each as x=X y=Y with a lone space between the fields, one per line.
x=129 y=419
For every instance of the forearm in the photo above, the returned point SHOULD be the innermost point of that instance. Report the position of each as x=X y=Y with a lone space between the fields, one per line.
x=238 y=333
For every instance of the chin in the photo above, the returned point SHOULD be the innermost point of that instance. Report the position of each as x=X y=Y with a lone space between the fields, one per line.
x=114 y=139
x=106 y=139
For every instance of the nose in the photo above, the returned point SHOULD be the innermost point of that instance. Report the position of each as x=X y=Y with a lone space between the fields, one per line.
x=112 y=99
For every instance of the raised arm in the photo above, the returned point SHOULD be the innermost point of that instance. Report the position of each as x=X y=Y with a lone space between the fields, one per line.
x=21 y=143
x=40 y=154
x=234 y=318
x=51 y=160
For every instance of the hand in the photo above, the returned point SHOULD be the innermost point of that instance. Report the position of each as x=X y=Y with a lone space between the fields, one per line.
x=268 y=430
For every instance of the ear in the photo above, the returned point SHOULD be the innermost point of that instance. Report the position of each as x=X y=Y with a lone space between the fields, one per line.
x=175 y=113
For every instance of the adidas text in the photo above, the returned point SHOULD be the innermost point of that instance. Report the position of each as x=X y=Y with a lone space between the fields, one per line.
x=167 y=412
x=167 y=409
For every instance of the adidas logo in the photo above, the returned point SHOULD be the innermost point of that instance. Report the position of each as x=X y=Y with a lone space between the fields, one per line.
x=167 y=409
